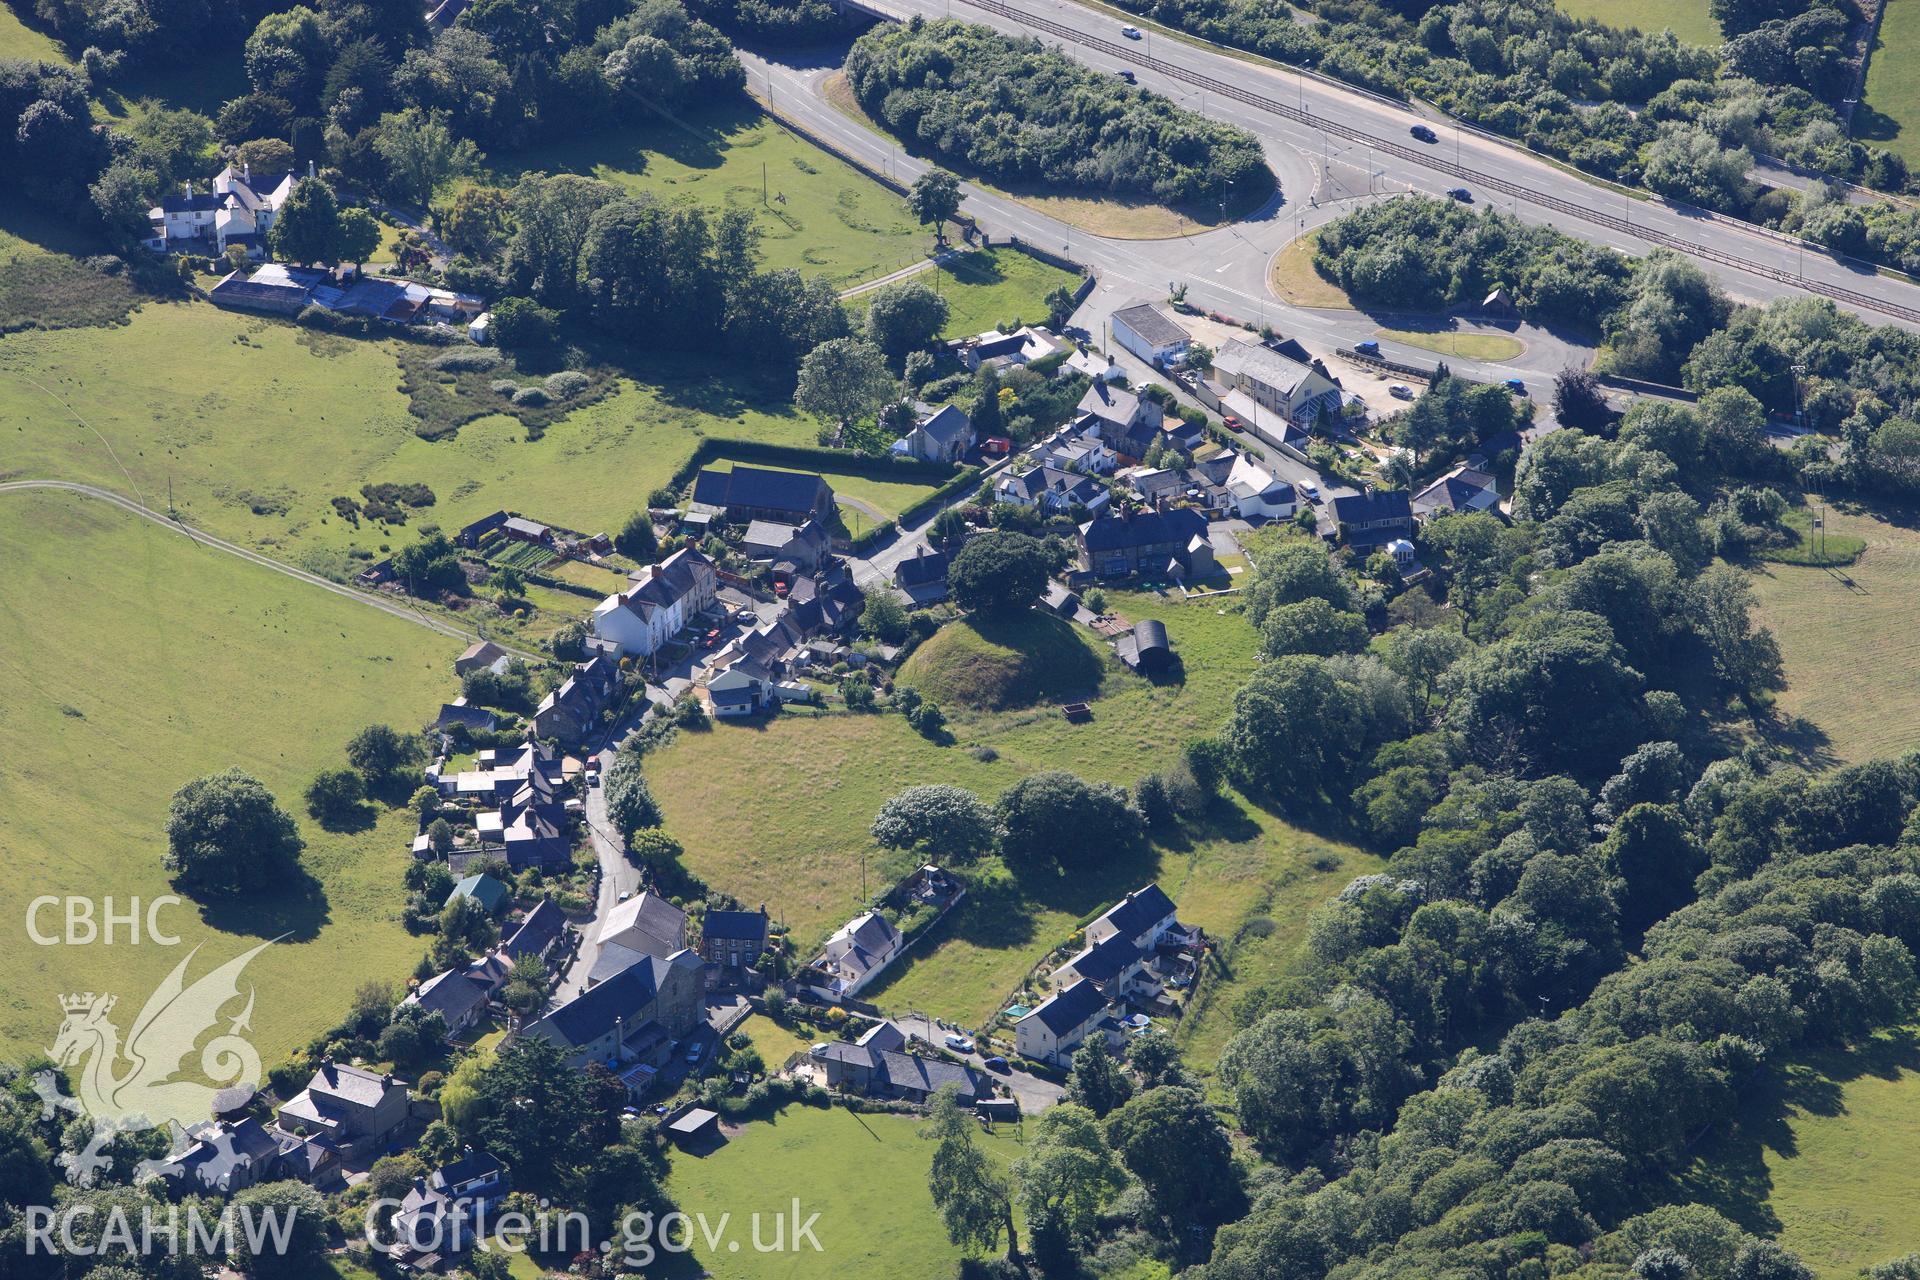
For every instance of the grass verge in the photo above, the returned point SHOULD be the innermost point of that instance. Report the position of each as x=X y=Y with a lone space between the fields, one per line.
x=1293 y=279
x=1455 y=342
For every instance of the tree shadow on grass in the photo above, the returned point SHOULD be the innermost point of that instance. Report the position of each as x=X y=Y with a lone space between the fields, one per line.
x=349 y=819
x=1731 y=1173
x=295 y=910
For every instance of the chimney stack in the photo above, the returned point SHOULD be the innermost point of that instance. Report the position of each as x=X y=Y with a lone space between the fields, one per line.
x=246 y=171
x=309 y=168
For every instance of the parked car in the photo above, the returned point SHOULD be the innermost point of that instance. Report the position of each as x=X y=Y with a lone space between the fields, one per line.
x=997 y=1063
x=1311 y=492
x=1423 y=133
x=1461 y=194
x=1400 y=391
x=1131 y=33
x=960 y=1043
x=1129 y=77
x=693 y=1053
x=818 y=1051
x=1233 y=424
x=1367 y=348
x=1516 y=386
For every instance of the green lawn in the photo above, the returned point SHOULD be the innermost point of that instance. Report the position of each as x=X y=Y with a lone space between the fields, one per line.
x=1890 y=113
x=1449 y=341
x=838 y=769
x=987 y=288
x=134 y=660
x=1833 y=624
x=1822 y=1161
x=1689 y=19
x=1810 y=547
x=818 y=214
x=879 y=1223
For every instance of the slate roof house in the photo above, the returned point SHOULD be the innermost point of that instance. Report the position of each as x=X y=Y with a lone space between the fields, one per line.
x=223 y=1157
x=754 y=493
x=455 y=996
x=358 y=1110
x=1128 y=422
x=1461 y=490
x=890 y=1073
x=1152 y=543
x=440 y=1216
x=1058 y=1026
x=539 y=933
x=940 y=434
x=572 y=711
x=237 y=209
x=481 y=653
x=1372 y=519
x=1022 y=346
x=633 y=1016
x=793 y=547
x=923 y=575
x=733 y=939
x=1146 y=916
x=1054 y=492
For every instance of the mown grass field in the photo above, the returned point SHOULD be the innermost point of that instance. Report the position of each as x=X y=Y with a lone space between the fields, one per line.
x=134 y=660
x=18 y=40
x=865 y=1175
x=819 y=214
x=1292 y=276
x=1689 y=19
x=1835 y=624
x=1890 y=113
x=256 y=425
x=1822 y=1161
x=831 y=774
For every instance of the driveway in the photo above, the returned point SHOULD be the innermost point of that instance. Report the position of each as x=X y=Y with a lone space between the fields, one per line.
x=1035 y=1095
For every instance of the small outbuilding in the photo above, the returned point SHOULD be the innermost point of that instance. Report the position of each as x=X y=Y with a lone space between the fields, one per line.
x=695 y=1127
x=1146 y=648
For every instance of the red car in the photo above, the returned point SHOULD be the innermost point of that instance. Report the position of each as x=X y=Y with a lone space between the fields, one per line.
x=1233 y=424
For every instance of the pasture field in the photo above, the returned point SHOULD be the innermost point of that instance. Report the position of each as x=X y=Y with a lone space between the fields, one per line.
x=816 y=212
x=1689 y=19
x=1822 y=1160
x=880 y=1223
x=1834 y=623
x=838 y=768
x=134 y=660
x=1890 y=113
x=255 y=425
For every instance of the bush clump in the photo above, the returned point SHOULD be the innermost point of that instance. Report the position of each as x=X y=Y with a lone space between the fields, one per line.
x=504 y=386
x=532 y=397
x=567 y=384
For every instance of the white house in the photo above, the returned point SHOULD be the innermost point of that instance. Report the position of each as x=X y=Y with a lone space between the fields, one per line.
x=1051 y=1032
x=1085 y=453
x=663 y=599
x=1150 y=333
x=1255 y=491
x=1144 y=917
x=1054 y=492
x=855 y=955
x=237 y=209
